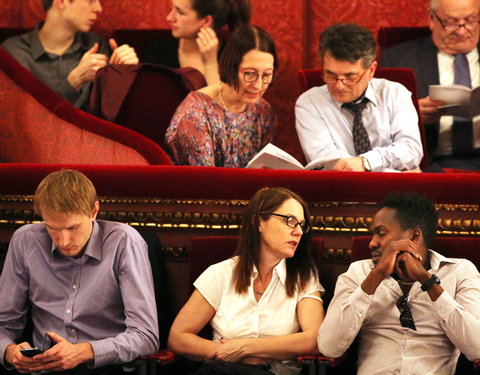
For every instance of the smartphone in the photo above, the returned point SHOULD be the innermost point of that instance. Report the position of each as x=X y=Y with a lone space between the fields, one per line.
x=30 y=352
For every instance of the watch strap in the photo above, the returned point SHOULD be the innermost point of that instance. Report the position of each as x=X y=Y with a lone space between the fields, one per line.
x=429 y=283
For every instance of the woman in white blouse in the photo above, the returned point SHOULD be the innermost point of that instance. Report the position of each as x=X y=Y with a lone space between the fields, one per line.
x=263 y=304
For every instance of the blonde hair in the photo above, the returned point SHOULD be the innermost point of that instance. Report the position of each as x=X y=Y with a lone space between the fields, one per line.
x=65 y=191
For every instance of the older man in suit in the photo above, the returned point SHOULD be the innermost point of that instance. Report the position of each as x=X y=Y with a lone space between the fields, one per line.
x=444 y=58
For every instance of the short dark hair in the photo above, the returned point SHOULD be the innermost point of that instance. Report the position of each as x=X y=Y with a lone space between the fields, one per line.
x=47 y=4
x=300 y=267
x=224 y=12
x=244 y=39
x=348 y=42
x=414 y=211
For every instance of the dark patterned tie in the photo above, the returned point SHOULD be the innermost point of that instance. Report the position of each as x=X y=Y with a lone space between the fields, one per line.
x=360 y=135
x=462 y=130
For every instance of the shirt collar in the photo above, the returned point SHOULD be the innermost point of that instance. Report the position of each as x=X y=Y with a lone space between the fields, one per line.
x=436 y=260
x=280 y=269
x=369 y=94
x=80 y=42
x=94 y=244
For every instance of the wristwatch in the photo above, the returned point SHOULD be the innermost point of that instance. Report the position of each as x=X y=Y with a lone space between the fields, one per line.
x=429 y=283
x=366 y=164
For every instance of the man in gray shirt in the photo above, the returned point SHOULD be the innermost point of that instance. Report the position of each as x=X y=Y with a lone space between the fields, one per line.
x=63 y=53
x=86 y=283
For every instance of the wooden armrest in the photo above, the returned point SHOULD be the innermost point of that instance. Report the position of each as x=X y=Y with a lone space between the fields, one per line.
x=163 y=357
x=476 y=363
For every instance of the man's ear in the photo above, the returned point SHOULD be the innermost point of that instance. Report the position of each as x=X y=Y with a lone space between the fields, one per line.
x=417 y=236
x=95 y=210
x=60 y=4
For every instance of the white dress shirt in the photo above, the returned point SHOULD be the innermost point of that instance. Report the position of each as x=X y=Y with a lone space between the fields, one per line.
x=444 y=328
x=241 y=316
x=325 y=128
x=446 y=77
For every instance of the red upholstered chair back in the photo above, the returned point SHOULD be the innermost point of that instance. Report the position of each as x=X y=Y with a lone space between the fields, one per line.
x=205 y=251
x=7 y=32
x=451 y=247
x=38 y=126
x=308 y=78
x=149 y=102
x=389 y=36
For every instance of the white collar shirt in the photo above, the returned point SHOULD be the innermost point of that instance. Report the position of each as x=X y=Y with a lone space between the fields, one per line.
x=444 y=327
x=241 y=316
x=446 y=77
x=324 y=127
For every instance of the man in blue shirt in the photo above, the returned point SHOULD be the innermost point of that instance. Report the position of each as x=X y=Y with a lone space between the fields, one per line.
x=87 y=283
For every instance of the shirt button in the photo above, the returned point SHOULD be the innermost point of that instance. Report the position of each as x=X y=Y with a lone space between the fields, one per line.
x=69 y=311
x=74 y=286
x=404 y=355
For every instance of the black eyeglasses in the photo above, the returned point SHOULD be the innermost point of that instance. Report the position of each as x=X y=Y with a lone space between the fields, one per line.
x=292 y=221
x=333 y=78
x=251 y=76
x=406 y=318
x=470 y=23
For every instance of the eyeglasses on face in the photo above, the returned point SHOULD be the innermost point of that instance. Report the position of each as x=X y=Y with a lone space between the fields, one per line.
x=251 y=76
x=406 y=318
x=333 y=78
x=292 y=221
x=470 y=23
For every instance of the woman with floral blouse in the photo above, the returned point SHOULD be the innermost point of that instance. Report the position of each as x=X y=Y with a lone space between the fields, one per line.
x=226 y=124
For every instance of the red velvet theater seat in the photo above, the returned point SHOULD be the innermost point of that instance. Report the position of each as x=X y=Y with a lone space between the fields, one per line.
x=308 y=78
x=38 y=126
x=142 y=97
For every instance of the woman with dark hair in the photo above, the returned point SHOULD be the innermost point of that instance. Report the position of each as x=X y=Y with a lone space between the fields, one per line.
x=263 y=304
x=195 y=25
x=227 y=123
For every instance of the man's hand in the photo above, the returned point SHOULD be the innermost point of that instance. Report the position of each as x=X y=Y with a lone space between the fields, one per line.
x=22 y=364
x=386 y=263
x=207 y=43
x=62 y=356
x=87 y=67
x=429 y=110
x=354 y=164
x=388 y=260
x=123 y=54
x=409 y=268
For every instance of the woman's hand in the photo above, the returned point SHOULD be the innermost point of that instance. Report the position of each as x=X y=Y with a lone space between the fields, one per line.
x=230 y=350
x=207 y=43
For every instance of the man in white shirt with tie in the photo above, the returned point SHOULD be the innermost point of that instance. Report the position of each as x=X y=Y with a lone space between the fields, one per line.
x=412 y=309
x=449 y=56
x=369 y=124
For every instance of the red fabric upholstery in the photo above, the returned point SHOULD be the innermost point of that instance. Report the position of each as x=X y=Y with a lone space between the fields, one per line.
x=451 y=247
x=170 y=182
x=308 y=78
x=7 y=32
x=142 y=97
x=389 y=36
x=50 y=130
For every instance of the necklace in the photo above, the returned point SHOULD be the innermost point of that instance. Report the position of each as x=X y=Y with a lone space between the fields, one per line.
x=220 y=85
x=259 y=293
x=406 y=282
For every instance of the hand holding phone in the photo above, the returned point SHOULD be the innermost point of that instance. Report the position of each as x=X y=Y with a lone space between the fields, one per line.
x=30 y=352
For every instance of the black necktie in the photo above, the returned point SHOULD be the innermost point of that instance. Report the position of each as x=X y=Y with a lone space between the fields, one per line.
x=360 y=135
x=462 y=130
